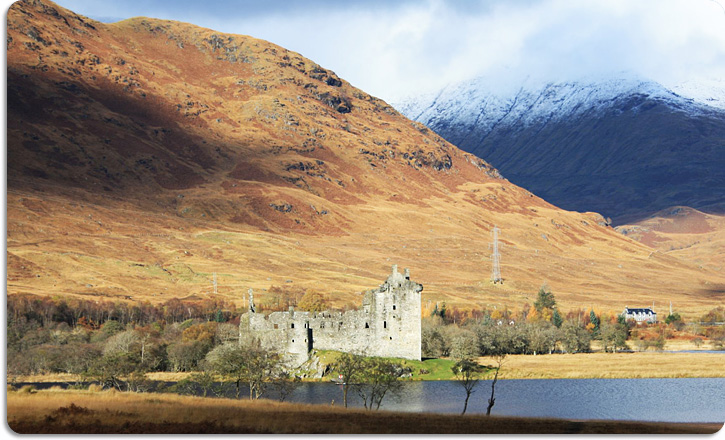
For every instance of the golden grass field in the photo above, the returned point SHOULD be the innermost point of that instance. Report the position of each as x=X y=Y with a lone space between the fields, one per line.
x=162 y=161
x=76 y=412
x=611 y=365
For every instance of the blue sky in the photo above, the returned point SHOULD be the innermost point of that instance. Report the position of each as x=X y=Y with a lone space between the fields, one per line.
x=393 y=49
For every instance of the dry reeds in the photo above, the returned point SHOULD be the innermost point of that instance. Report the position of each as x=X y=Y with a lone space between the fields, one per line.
x=75 y=412
x=612 y=365
x=27 y=389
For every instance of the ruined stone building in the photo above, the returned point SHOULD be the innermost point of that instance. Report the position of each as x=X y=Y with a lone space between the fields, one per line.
x=387 y=324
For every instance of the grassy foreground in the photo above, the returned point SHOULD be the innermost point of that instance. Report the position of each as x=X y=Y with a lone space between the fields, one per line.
x=71 y=412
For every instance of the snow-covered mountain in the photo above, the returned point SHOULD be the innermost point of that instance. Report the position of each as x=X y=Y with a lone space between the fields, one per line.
x=623 y=146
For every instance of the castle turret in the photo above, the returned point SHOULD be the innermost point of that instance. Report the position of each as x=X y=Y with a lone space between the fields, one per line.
x=251 y=301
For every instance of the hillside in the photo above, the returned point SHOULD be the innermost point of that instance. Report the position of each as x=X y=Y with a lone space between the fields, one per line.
x=622 y=146
x=685 y=233
x=145 y=155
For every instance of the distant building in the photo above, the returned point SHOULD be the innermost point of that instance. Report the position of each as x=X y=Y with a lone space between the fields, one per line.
x=388 y=324
x=640 y=315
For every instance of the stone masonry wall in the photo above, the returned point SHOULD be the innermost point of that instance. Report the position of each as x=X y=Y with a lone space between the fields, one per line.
x=388 y=324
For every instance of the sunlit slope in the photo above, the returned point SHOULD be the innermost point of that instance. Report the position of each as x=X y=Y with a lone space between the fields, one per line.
x=685 y=233
x=146 y=155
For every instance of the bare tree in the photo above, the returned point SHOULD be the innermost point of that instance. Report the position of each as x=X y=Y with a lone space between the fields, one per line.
x=350 y=367
x=248 y=364
x=379 y=377
x=285 y=384
x=499 y=359
x=468 y=373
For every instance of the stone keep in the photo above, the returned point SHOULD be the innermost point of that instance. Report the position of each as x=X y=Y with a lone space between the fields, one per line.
x=387 y=325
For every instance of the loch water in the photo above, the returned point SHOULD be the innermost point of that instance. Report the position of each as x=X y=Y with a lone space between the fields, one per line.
x=699 y=400
x=695 y=400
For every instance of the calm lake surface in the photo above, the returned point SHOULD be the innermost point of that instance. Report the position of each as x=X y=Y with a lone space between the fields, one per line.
x=667 y=400
x=662 y=400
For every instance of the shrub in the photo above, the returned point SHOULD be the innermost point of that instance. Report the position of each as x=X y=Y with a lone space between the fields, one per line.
x=27 y=389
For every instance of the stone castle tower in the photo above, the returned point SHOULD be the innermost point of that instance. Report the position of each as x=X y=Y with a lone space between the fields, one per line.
x=388 y=324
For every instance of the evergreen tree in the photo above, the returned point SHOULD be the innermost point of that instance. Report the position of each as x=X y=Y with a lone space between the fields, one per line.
x=674 y=317
x=545 y=299
x=556 y=319
x=595 y=322
x=442 y=312
x=621 y=319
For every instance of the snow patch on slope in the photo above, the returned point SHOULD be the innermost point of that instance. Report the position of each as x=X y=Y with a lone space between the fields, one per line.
x=477 y=103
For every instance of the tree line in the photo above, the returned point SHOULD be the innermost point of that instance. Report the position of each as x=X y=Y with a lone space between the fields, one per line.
x=117 y=343
x=542 y=328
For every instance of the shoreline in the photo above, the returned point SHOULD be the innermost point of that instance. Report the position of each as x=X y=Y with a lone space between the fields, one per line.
x=597 y=365
x=76 y=412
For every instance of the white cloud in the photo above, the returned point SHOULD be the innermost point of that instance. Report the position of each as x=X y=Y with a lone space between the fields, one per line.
x=393 y=49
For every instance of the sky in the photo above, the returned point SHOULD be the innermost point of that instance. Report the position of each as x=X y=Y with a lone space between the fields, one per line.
x=396 y=49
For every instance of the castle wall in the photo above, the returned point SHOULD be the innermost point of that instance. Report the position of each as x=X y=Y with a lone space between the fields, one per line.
x=388 y=325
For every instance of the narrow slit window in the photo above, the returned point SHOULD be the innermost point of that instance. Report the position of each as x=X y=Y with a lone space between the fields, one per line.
x=393 y=306
x=367 y=325
x=293 y=325
x=385 y=324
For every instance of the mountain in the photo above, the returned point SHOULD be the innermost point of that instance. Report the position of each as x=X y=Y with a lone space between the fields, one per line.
x=147 y=158
x=685 y=233
x=621 y=146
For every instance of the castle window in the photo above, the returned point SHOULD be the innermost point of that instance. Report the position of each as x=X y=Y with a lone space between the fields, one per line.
x=366 y=325
x=293 y=325
x=385 y=324
x=322 y=325
x=305 y=325
x=276 y=326
x=391 y=338
x=293 y=340
x=393 y=306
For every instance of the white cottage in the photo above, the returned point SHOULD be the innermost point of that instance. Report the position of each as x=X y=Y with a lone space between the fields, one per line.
x=640 y=315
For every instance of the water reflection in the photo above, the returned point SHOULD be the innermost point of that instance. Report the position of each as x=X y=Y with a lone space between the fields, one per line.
x=672 y=400
x=700 y=400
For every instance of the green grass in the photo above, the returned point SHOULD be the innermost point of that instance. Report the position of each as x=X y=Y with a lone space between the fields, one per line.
x=438 y=369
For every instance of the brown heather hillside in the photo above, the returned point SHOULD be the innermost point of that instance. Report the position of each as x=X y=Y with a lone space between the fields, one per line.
x=145 y=155
x=685 y=233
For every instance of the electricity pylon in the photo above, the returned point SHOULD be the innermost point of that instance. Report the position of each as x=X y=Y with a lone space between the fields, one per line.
x=496 y=258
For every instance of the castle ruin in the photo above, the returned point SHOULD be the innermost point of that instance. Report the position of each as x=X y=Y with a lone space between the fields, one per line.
x=388 y=325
